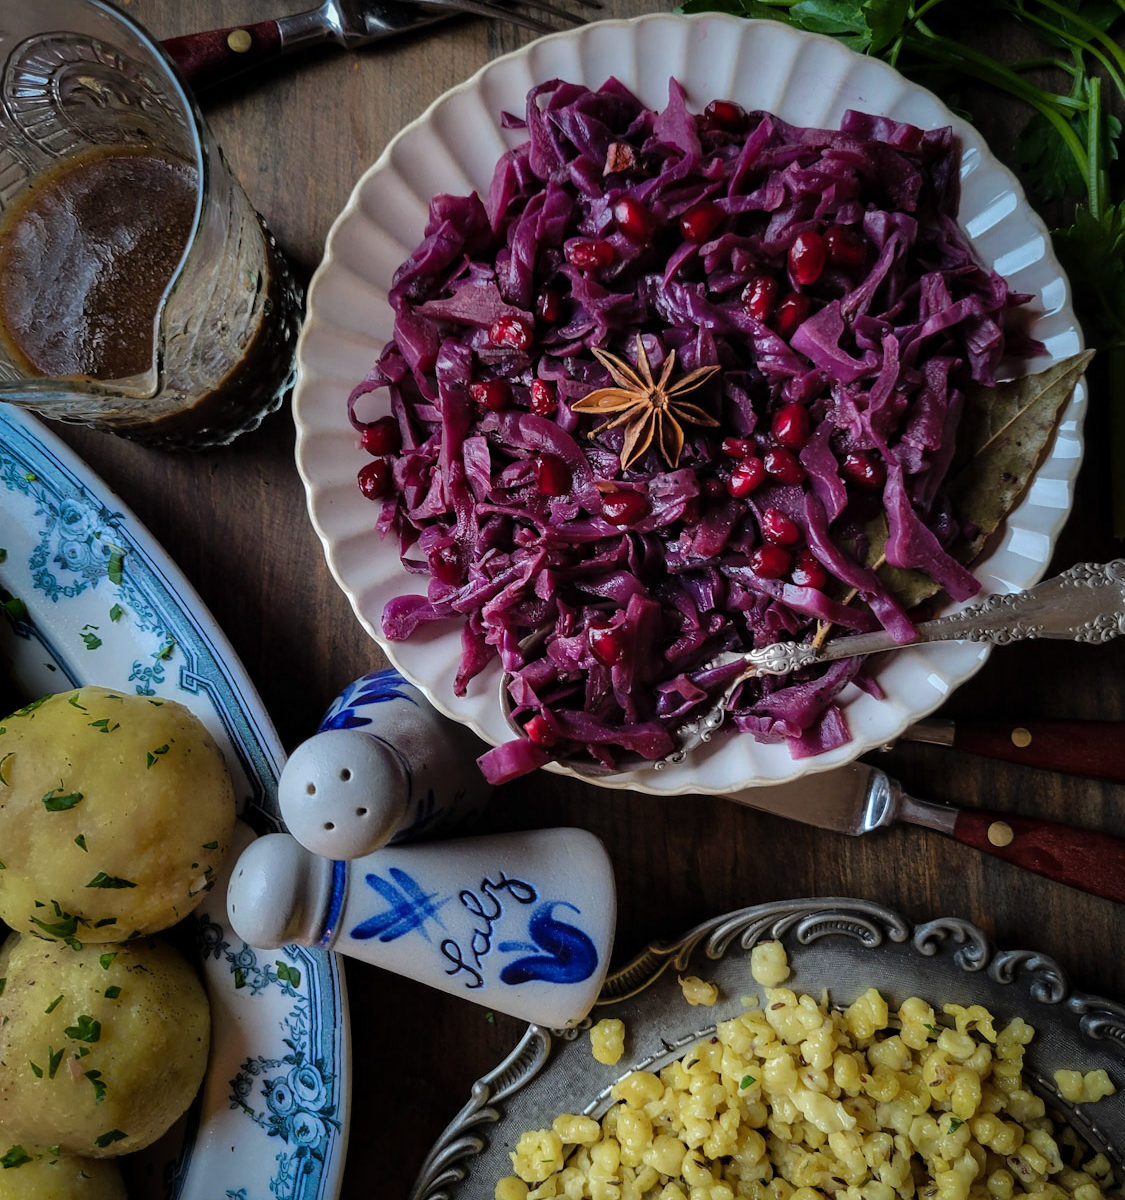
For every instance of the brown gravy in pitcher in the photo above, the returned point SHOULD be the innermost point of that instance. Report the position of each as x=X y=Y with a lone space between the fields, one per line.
x=85 y=257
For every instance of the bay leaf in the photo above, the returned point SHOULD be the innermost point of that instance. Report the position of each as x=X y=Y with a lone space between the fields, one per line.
x=1003 y=434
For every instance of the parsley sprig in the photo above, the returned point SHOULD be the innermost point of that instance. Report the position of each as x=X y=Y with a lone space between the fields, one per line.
x=1064 y=67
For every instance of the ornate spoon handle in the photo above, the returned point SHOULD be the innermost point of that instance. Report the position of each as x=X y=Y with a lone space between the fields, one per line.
x=1084 y=604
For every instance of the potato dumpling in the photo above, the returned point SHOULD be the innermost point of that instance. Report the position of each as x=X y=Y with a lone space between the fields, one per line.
x=102 y=1047
x=40 y=1175
x=115 y=812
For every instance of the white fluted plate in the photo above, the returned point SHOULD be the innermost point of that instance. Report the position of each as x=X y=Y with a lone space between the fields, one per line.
x=806 y=79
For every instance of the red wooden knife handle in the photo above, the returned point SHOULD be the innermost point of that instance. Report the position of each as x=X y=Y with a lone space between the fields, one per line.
x=1092 y=748
x=1083 y=858
x=216 y=55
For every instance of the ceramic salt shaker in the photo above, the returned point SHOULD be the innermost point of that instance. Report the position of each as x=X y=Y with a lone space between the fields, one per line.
x=521 y=923
x=384 y=766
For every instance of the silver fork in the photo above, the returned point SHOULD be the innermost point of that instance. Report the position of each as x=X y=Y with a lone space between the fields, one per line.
x=216 y=55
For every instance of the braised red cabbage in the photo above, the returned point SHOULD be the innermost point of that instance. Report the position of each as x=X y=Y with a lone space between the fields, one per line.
x=821 y=270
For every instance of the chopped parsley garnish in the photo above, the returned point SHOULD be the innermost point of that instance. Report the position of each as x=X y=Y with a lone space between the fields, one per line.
x=74 y=702
x=106 y=959
x=54 y=1004
x=210 y=845
x=15 y=608
x=36 y=1069
x=102 y=880
x=91 y=638
x=114 y=568
x=95 y=1077
x=56 y=800
x=15 y=1156
x=116 y=613
x=153 y=755
x=746 y=1081
x=85 y=1029
x=80 y=841
x=166 y=651
x=112 y=992
x=955 y=1123
x=288 y=974
x=54 y=1057
x=107 y=1139
x=105 y=725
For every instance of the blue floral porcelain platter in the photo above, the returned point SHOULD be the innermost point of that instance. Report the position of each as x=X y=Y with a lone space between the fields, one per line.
x=90 y=598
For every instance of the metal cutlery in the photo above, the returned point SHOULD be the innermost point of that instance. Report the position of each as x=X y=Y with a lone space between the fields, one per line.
x=216 y=55
x=860 y=798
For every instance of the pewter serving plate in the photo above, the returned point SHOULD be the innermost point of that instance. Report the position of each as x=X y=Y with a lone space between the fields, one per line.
x=804 y=78
x=105 y=605
x=842 y=945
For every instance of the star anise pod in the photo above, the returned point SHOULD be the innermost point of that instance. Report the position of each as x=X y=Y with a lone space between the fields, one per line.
x=650 y=409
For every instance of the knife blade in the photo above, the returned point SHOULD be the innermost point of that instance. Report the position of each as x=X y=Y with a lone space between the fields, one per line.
x=1095 y=749
x=860 y=798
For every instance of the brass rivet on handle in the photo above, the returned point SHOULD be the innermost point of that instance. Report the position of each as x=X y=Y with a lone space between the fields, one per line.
x=1021 y=737
x=1000 y=833
x=239 y=40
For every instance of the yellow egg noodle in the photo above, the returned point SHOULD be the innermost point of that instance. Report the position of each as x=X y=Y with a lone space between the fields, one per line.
x=793 y=1100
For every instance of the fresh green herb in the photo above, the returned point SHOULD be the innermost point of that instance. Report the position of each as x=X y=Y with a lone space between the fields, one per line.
x=105 y=725
x=210 y=845
x=166 y=650
x=288 y=974
x=80 y=842
x=16 y=1156
x=955 y=1123
x=74 y=702
x=36 y=1069
x=239 y=978
x=85 y=1029
x=747 y=1081
x=99 y=924
x=89 y=636
x=490 y=1017
x=95 y=1077
x=15 y=608
x=153 y=755
x=112 y=992
x=107 y=959
x=65 y=927
x=116 y=612
x=56 y=800
x=107 y=1139
x=1066 y=151
x=54 y=1057
x=115 y=567
x=102 y=880
x=54 y=1004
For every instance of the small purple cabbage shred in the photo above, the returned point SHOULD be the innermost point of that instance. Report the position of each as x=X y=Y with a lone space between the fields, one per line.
x=500 y=502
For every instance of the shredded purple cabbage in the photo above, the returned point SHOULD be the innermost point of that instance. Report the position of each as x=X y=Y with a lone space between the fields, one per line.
x=501 y=501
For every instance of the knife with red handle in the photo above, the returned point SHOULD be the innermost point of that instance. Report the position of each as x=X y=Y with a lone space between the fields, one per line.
x=1095 y=749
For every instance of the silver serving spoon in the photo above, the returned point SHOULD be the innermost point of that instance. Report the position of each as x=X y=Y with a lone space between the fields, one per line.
x=1084 y=604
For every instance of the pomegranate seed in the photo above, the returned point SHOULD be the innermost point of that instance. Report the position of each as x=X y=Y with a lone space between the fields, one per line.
x=791 y=426
x=539 y=732
x=781 y=464
x=548 y=305
x=511 y=331
x=493 y=394
x=790 y=313
x=552 y=475
x=543 y=401
x=862 y=468
x=749 y=474
x=779 y=528
x=382 y=437
x=769 y=561
x=375 y=478
x=724 y=114
x=588 y=254
x=607 y=644
x=759 y=296
x=807 y=257
x=713 y=488
x=737 y=447
x=807 y=572
x=445 y=565
x=701 y=220
x=634 y=219
x=846 y=247
x=625 y=508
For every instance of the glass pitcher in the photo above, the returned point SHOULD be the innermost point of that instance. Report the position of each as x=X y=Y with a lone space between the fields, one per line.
x=139 y=290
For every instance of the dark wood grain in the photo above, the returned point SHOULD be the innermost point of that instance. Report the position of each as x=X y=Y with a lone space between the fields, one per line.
x=298 y=136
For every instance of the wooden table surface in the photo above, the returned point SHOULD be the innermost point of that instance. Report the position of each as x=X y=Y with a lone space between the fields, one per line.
x=235 y=522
